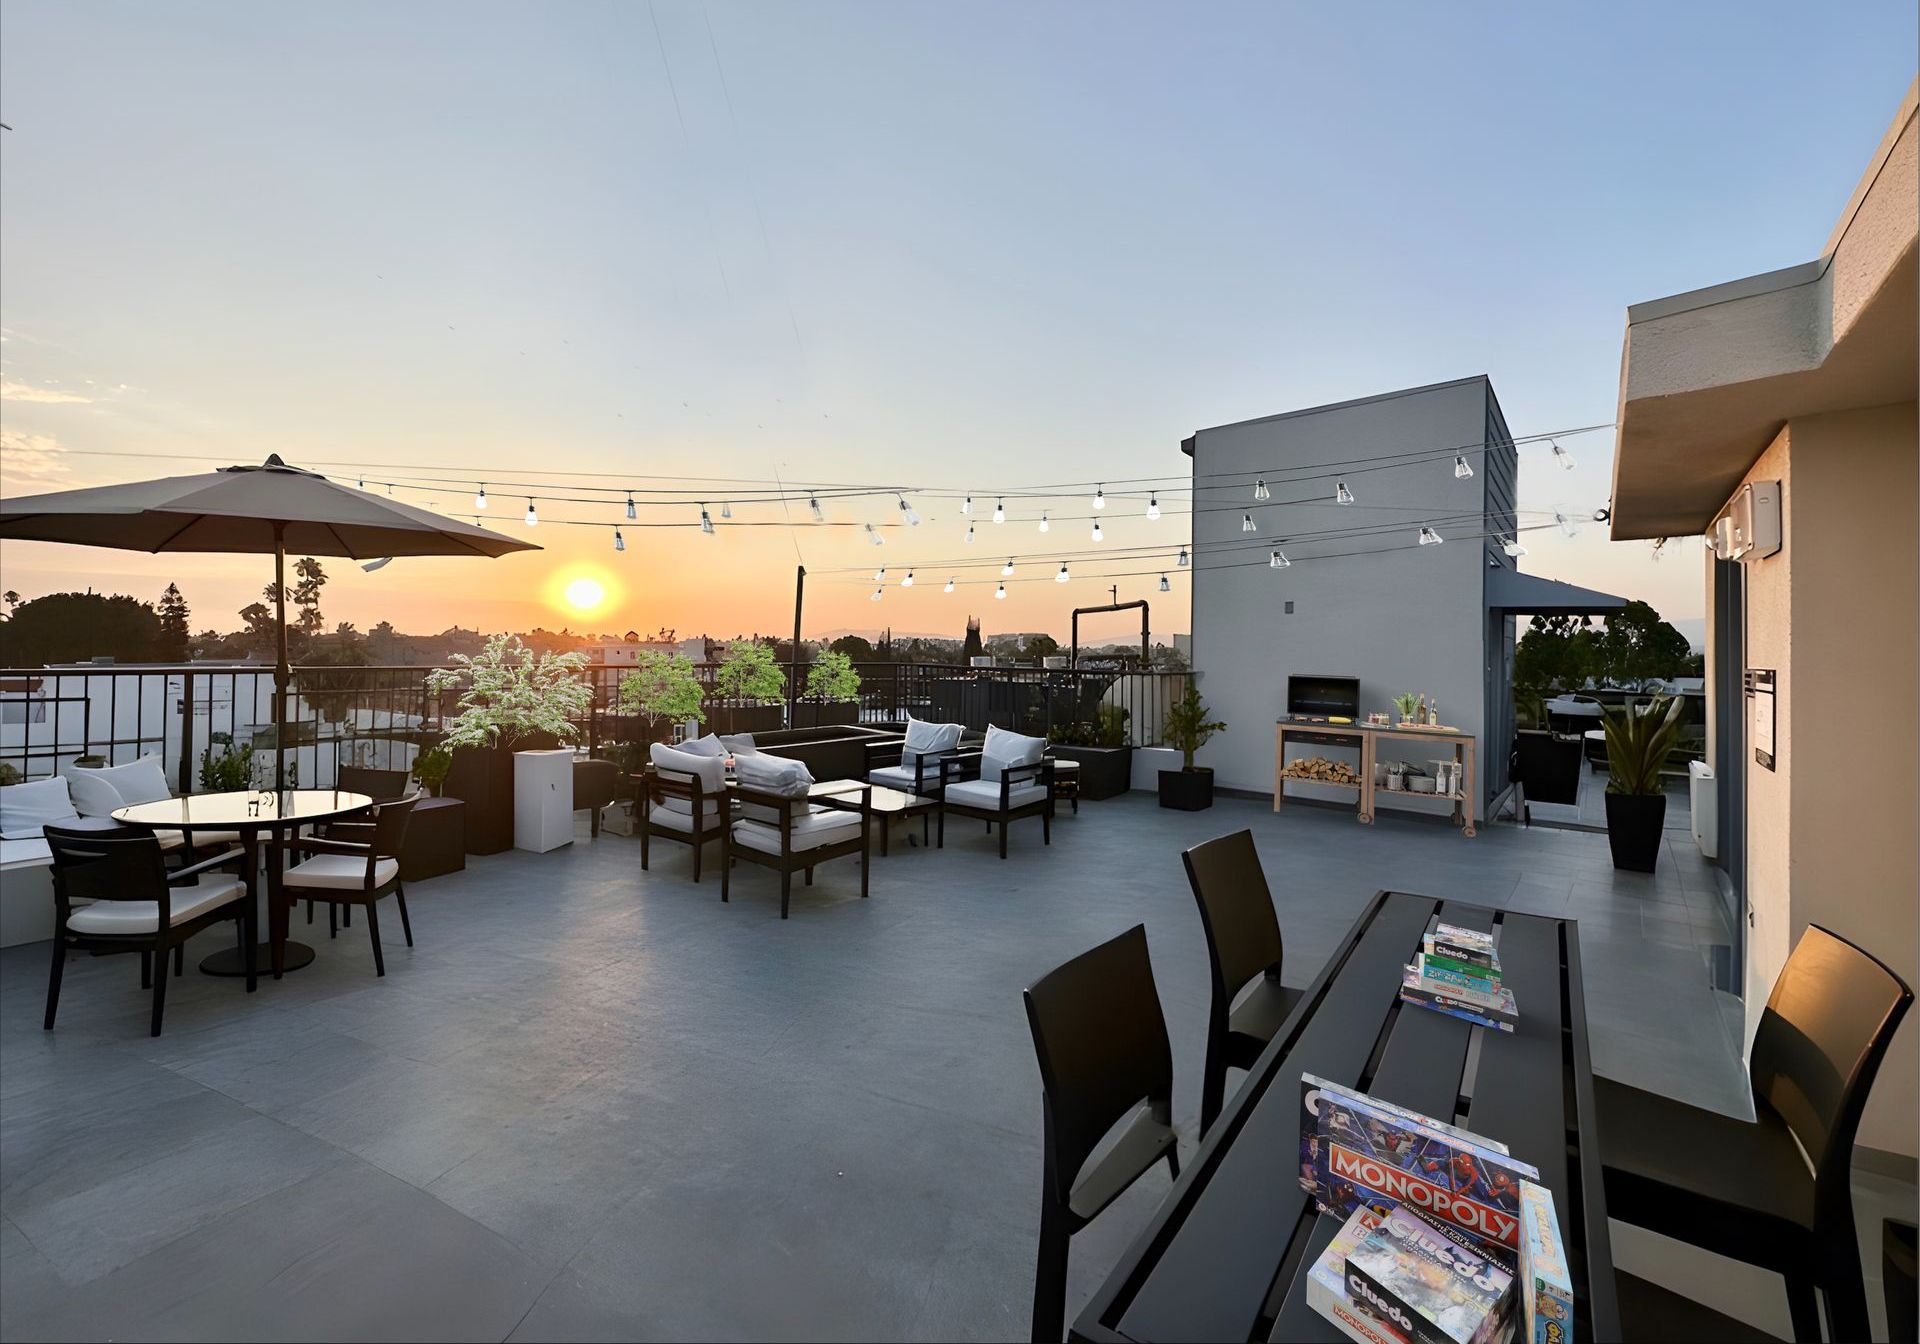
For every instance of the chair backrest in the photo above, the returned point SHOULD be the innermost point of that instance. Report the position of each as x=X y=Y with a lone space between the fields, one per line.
x=1102 y=1045
x=380 y=785
x=106 y=866
x=1826 y=1027
x=1236 y=911
x=390 y=826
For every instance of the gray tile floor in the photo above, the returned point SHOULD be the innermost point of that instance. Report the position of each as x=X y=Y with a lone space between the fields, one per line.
x=598 y=1103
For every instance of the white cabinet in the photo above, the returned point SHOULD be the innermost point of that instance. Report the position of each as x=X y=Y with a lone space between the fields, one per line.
x=542 y=799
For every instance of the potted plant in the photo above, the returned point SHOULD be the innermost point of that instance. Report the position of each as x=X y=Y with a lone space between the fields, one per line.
x=748 y=689
x=833 y=692
x=229 y=772
x=1639 y=741
x=1103 y=750
x=1190 y=788
x=510 y=700
x=1407 y=706
x=430 y=767
x=663 y=691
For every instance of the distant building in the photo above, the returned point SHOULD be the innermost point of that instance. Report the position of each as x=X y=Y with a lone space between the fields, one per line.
x=626 y=649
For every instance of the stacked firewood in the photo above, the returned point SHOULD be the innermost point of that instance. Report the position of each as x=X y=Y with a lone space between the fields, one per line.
x=1320 y=770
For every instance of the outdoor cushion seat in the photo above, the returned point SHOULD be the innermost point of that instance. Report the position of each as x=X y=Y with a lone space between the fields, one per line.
x=26 y=808
x=172 y=840
x=343 y=872
x=820 y=826
x=114 y=918
x=986 y=794
x=679 y=818
x=898 y=777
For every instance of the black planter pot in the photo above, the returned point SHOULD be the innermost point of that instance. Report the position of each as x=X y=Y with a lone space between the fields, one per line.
x=1187 y=790
x=1634 y=826
x=834 y=713
x=1105 y=772
x=744 y=718
x=482 y=778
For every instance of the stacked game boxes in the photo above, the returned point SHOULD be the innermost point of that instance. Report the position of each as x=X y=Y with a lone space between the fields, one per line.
x=1457 y=972
x=1546 y=1289
x=1432 y=1230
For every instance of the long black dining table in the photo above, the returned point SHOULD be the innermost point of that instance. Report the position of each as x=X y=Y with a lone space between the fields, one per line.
x=1226 y=1256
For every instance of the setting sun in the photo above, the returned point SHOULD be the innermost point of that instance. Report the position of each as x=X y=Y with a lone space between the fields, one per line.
x=586 y=595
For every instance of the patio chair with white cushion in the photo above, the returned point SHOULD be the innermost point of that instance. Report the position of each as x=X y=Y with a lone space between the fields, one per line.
x=784 y=822
x=683 y=798
x=1010 y=777
x=913 y=765
x=353 y=872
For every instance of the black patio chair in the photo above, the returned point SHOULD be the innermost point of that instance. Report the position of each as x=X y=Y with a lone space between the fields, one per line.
x=1743 y=1189
x=136 y=905
x=794 y=834
x=1021 y=791
x=383 y=786
x=1101 y=1042
x=346 y=873
x=1244 y=952
x=676 y=805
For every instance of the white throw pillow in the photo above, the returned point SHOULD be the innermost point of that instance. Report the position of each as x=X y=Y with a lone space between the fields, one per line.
x=740 y=744
x=711 y=771
x=26 y=808
x=771 y=774
x=1004 y=749
x=141 y=781
x=927 y=739
x=708 y=745
x=92 y=792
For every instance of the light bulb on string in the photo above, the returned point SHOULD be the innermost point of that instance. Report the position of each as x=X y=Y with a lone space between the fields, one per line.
x=1428 y=537
x=1153 y=508
x=1165 y=587
x=969 y=534
x=1567 y=522
x=706 y=520
x=949 y=587
x=1513 y=547
x=1062 y=576
x=967 y=505
x=1183 y=562
x=880 y=574
x=908 y=581
x=999 y=510
x=619 y=542
x=906 y=511
x=873 y=535
x=1098 y=535
x=1044 y=525
x=480 y=499
x=876 y=593
x=1000 y=593
x=1563 y=457
x=726 y=508
x=1342 y=495
x=1006 y=570
x=1099 y=496
x=819 y=514
x=533 y=519
x=1247 y=524
x=1461 y=471
x=631 y=515
x=1260 y=490
x=1278 y=560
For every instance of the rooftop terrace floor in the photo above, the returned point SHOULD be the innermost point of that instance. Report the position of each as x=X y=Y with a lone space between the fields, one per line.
x=595 y=1102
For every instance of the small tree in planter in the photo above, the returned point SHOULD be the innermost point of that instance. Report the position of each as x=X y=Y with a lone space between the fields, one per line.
x=748 y=679
x=1639 y=742
x=509 y=698
x=663 y=687
x=831 y=681
x=1190 y=788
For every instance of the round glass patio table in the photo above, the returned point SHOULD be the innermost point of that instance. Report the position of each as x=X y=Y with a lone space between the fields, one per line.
x=252 y=813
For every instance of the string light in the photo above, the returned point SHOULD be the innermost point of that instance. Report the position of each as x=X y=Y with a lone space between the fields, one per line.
x=1165 y=587
x=1153 y=508
x=1461 y=471
x=533 y=519
x=873 y=535
x=1184 y=561
x=480 y=500
x=1260 y=490
x=706 y=521
x=631 y=513
x=726 y=508
x=1061 y=577
x=969 y=534
x=967 y=507
x=906 y=510
x=1006 y=570
x=1513 y=547
x=1342 y=495
x=1099 y=496
x=880 y=574
x=1247 y=523
x=1098 y=535
x=1562 y=456
x=1000 y=593
x=1043 y=523
x=876 y=593
x=619 y=542
x=360 y=482
x=1278 y=560
x=1566 y=522
x=819 y=514
x=908 y=581
x=999 y=510
x=949 y=587
x=1428 y=537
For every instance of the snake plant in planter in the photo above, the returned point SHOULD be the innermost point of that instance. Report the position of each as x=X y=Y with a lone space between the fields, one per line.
x=1640 y=739
x=1190 y=788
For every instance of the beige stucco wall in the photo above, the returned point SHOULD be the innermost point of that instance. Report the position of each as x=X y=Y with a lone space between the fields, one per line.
x=1836 y=613
x=1856 y=667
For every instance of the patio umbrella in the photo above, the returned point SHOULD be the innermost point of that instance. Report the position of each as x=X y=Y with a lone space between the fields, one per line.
x=264 y=510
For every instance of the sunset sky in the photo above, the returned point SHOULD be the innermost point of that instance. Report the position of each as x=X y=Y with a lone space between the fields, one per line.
x=944 y=247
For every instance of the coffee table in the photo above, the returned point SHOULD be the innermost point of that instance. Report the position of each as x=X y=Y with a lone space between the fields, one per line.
x=883 y=802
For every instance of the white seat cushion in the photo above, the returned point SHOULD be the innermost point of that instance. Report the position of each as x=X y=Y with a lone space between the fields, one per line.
x=924 y=738
x=340 y=872
x=215 y=839
x=170 y=840
x=709 y=745
x=740 y=744
x=668 y=817
x=820 y=826
x=680 y=767
x=1003 y=749
x=132 y=917
x=985 y=793
x=902 y=777
x=771 y=774
x=92 y=792
x=26 y=808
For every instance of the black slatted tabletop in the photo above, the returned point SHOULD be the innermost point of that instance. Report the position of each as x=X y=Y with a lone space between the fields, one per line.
x=1226 y=1257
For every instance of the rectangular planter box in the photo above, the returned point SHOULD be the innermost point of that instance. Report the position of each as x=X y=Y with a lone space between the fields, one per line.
x=811 y=714
x=542 y=799
x=745 y=719
x=482 y=778
x=1105 y=772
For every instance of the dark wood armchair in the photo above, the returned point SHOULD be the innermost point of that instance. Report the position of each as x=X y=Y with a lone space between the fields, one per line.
x=793 y=834
x=346 y=873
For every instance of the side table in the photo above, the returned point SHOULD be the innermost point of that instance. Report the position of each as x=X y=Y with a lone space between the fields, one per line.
x=436 y=840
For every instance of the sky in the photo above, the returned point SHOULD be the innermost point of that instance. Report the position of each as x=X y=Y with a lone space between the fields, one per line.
x=943 y=247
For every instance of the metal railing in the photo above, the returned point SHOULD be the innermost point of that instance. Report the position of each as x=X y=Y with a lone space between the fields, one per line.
x=385 y=716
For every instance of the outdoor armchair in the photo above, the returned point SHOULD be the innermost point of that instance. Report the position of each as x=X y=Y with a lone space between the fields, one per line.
x=1007 y=779
x=682 y=798
x=783 y=821
x=352 y=872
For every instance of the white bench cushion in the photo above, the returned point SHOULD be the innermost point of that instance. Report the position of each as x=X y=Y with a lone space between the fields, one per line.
x=925 y=738
x=986 y=794
x=902 y=777
x=821 y=826
x=1003 y=749
x=340 y=872
x=681 y=766
x=680 y=819
x=26 y=808
x=133 y=917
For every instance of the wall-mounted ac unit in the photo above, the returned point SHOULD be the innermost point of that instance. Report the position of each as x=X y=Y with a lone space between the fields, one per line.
x=1753 y=522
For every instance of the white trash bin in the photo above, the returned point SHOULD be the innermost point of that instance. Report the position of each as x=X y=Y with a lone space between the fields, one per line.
x=1703 y=800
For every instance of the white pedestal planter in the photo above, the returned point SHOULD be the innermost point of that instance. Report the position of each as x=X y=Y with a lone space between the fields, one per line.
x=542 y=799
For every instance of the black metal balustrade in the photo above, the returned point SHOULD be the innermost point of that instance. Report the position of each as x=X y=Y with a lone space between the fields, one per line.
x=383 y=717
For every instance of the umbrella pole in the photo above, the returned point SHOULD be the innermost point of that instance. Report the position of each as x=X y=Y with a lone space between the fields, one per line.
x=282 y=672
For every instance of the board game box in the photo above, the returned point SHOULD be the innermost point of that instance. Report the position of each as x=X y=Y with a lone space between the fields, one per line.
x=1477 y=989
x=1473 y=1015
x=1546 y=1288
x=1311 y=1085
x=1364 y=1153
x=1430 y=1280
x=1327 y=1286
x=1468 y=945
x=1503 y=1008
